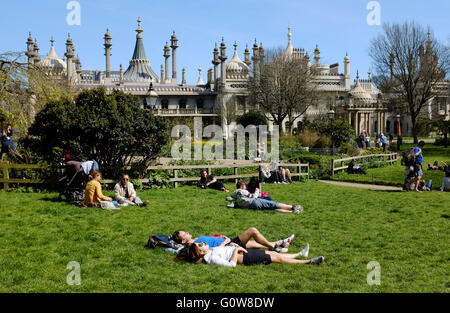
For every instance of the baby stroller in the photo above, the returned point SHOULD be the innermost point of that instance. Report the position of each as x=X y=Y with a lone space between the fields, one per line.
x=74 y=181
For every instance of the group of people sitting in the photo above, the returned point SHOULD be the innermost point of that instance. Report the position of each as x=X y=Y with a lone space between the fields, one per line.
x=124 y=192
x=243 y=249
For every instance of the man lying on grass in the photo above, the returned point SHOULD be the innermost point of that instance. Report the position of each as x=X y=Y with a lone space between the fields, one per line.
x=244 y=240
x=230 y=256
x=244 y=199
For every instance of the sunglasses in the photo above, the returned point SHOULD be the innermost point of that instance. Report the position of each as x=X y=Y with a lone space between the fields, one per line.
x=125 y=179
x=201 y=244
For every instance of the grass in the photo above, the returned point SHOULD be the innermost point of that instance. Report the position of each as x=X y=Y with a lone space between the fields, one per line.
x=394 y=175
x=407 y=233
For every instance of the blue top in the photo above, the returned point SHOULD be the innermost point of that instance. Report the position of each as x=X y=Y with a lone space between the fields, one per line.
x=419 y=158
x=383 y=139
x=210 y=241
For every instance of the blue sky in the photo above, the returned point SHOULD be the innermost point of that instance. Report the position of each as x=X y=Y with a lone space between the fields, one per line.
x=336 y=26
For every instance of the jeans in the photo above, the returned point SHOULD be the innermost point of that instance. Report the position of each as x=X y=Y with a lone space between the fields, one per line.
x=261 y=204
x=137 y=201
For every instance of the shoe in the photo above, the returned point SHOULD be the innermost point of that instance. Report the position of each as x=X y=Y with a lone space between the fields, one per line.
x=298 y=209
x=285 y=242
x=145 y=203
x=231 y=205
x=305 y=251
x=229 y=198
x=284 y=182
x=317 y=260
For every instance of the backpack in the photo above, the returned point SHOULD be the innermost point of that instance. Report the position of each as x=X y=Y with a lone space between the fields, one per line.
x=408 y=158
x=75 y=195
x=164 y=241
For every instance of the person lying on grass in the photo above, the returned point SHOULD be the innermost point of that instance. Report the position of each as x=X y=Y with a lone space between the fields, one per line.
x=230 y=256
x=245 y=200
x=249 y=239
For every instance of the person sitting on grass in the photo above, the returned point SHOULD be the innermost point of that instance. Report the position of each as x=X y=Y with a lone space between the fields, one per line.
x=209 y=181
x=93 y=193
x=230 y=256
x=253 y=187
x=268 y=176
x=446 y=182
x=245 y=200
x=354 y=168
x=125 y=194
x=249 y=239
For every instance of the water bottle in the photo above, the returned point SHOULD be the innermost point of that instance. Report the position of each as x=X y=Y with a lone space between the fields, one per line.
x=169 y=250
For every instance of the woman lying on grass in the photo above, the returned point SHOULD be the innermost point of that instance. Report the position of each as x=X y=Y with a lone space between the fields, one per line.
x=230 y=256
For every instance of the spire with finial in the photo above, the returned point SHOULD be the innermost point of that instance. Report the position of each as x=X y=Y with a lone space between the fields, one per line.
x=247 y=56
x=139 y=30
x=289 y=34
x=200 y=80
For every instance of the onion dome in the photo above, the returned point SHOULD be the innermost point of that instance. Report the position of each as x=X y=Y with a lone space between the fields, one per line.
x=359 y=93
x=52 y=61
x=235 y=65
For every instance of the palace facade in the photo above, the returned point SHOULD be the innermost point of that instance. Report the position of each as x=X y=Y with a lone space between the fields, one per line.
x=358 y=101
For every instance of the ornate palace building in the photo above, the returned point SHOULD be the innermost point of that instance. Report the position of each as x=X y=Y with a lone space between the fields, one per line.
x=360 y=102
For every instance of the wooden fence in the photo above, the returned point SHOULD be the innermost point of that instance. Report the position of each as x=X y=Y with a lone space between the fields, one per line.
x=390 y=158
x=301 y=170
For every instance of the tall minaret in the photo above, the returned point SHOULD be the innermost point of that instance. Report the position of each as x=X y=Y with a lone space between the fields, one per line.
x=30 y=50
x=261 y=56
x=121 y=74
x=174 y=46
x=183 y=77
x=36 y=58
x=316 y=55
x=216 y=63
x=108 y=46
x=247 y=56
x=166 y=55
x=162 y=74
x=347 y=71
x=255 y=59
x=70 y=54
x=223 y=57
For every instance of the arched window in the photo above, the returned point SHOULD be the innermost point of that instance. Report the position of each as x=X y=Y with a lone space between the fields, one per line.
x=299 y=126
x=182 y=104
x=165 y=103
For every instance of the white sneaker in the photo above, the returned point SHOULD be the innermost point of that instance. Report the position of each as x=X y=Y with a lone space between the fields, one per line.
x=231 y=205
x=305 y=251
x=285 y=242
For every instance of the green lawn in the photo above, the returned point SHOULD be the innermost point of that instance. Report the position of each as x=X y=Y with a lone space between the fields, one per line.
x=407 y=233
x=394 y=175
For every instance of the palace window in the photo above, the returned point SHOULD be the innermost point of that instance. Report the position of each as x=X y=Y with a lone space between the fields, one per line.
x=165 y=103
x=182 y=104
x=200 y=103
x=241 y=103
x=443 y=104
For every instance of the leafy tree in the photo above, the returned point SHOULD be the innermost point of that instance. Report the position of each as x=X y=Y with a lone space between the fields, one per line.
x=24 y=91
x=112 y=129
x=442 y=127
x=342 y=131
x=252 y=118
